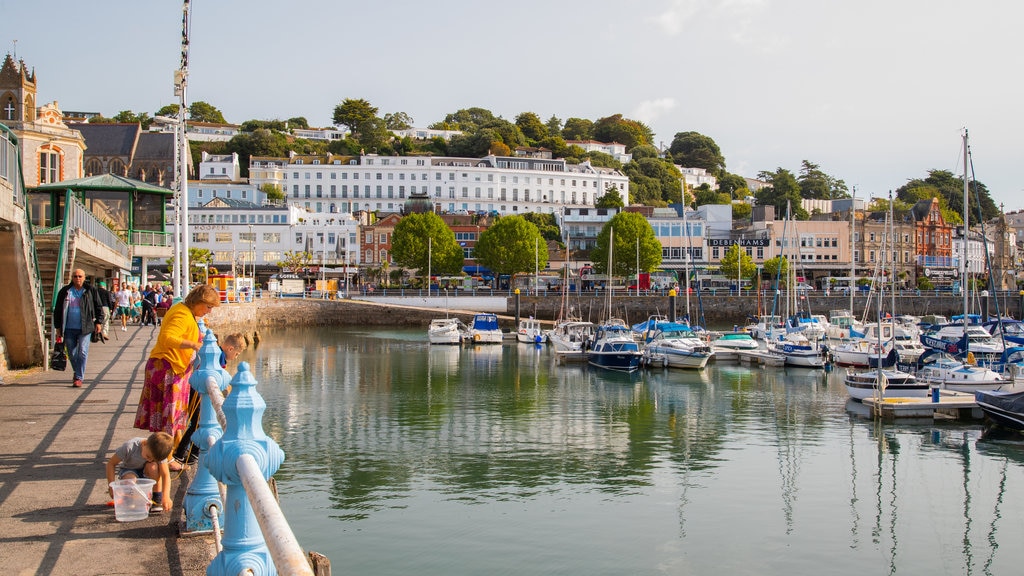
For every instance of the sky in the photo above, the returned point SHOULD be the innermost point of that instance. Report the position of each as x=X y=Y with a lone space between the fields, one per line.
x=875 y=92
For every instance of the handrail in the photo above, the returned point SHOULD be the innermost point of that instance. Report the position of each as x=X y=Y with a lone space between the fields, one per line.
x=78 y=216
x=242 y=458
x=11 y=170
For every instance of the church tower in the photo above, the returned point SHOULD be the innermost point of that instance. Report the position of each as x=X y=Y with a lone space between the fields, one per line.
x=50 y=150
x=17 y=93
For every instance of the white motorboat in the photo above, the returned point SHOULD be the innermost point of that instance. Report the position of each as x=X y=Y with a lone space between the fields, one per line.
x=799 y=351
x=884 y=383
x=484 y=329
x=529 y=331
x=569 y=338
x=950 y=373
x=446 y=331
x=675 y=345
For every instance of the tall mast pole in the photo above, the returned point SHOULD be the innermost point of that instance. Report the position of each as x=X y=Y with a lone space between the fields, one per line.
x=963 y=258
x=181 y=234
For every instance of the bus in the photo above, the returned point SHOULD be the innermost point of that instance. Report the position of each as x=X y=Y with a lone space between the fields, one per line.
x=716 y=283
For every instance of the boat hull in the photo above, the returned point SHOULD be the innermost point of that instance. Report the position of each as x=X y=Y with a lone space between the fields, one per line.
x=861 y=385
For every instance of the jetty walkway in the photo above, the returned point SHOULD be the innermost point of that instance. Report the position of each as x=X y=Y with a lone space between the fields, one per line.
x=54 y=444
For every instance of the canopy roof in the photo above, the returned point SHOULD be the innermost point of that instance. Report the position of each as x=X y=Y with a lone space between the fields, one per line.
x=105 y=182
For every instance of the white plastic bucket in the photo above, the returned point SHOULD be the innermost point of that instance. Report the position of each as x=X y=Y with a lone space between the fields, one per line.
x=132 y=498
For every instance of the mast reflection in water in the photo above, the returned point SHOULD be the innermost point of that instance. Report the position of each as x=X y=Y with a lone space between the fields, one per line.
x=408 y=458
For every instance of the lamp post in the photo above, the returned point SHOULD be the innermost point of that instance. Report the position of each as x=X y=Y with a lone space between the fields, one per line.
x=252 y=250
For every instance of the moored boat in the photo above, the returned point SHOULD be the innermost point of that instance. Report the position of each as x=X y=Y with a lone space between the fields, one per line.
x=529 y=331
x=675 y=345
x=484 y=329
x=613 y=347
x=446 y=331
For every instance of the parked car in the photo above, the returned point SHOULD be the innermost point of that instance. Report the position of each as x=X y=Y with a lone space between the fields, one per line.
x=803 y=288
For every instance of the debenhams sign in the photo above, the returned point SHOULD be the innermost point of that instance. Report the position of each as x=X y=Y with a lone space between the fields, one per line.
x=744 y=242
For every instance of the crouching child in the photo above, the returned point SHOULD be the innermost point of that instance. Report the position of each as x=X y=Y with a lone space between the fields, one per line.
x=145 y=458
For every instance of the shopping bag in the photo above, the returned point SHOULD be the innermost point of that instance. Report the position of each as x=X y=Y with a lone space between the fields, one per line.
x=58 y=359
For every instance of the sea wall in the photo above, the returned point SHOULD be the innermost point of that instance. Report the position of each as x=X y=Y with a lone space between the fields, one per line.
x=717 y=310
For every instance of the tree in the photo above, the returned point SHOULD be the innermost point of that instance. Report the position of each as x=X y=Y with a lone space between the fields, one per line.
x=776 y=268
x=654 y=182
x=784 y=191
x=741 y=210
x=466 y=120
x=610 y=199
x=532 y=128
x=298 y=122
x=510 y=246
x=927 y=192
x=273 y=191
x=261 y=142
x=398 y=121
x=351 y=113
x=546 y=224
x=645 y=151
x=615 y=128
x=633 y=234
x=695 y=150
x=199 y=260
x=422 y=241
x=733 y=184
x=554 y=126
x=374 y=136
x=129 y=117
x=200 y=111
x=736 y=260
x=816 y=184
x=170 y=111
x=602 y=159
x=474 y=144
x=578 y=129
x=945 y=186
x=295 y=261
x=703 y=194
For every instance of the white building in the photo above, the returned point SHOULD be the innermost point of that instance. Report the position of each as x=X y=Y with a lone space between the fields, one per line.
x=242 y=233
x=219 y=177
x=495 y=184
x=425 y=133
x=679 y=237
x=976 y=262
x=697 y=177
x=325 y=134
x=614 y=149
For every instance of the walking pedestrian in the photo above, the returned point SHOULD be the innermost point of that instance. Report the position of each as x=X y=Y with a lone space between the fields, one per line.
x=107 y=302
x=163 y=405
x=77 y=314
x=124 y=306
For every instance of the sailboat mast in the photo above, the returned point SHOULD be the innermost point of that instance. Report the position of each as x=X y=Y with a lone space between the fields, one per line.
x=963 y=256
x=686 y=263
x=853 y=261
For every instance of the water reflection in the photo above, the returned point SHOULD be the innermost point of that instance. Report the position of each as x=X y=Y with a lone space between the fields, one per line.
x=387 y=433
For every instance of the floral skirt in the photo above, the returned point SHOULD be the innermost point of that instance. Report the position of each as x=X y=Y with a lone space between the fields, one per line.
x=163 y=405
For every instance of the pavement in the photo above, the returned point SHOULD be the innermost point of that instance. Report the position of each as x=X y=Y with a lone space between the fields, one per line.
x=54 y=444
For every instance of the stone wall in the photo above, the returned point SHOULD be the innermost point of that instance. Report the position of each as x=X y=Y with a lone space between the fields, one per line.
x=717 y=310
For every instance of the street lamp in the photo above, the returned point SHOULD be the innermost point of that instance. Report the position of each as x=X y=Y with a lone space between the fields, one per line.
x=252 y=249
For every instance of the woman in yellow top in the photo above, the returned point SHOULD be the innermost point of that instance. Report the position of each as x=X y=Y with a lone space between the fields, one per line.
x=164 y=402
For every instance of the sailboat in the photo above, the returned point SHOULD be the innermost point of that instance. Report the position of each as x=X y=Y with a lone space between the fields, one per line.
x=570 y=332
x=885 y=380
x=613 y=346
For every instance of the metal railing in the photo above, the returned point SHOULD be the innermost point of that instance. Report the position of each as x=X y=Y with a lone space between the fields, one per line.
x=237 y=453
x=144 y=238
x=78 y=216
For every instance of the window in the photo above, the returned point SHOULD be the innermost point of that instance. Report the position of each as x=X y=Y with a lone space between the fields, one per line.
x=198 y=237
x=49 y=166
x=223 y=238
x=271 y=237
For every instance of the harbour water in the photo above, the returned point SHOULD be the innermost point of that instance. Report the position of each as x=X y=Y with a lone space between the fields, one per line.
x=405 y=458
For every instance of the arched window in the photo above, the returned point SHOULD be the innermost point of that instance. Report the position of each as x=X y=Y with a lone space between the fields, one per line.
x=117 y=167
x=93 y=167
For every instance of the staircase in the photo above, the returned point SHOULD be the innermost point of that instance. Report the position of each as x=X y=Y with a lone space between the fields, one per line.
x=47 y=252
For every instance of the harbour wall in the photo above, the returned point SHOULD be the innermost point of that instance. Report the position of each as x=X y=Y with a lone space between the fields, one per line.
x=718 y=310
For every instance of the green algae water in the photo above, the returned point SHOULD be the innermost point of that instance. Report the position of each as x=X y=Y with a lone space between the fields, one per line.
x=405 y=458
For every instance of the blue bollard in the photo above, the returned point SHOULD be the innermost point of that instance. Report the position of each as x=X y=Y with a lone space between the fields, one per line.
x=203 y=492
x=243 y=542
